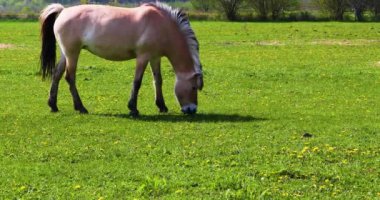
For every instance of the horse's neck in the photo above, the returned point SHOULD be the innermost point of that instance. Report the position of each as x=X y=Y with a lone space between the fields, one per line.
x=180 y=57
x=182 y=66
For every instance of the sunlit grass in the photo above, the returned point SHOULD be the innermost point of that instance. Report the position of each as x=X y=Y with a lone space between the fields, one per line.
x=289 y=110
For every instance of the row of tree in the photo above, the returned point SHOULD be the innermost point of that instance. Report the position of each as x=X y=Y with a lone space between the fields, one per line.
x=264 y=9
x=275 y=8
x=336 y=8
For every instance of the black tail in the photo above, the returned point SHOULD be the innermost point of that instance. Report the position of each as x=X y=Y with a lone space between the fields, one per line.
x=48 y=50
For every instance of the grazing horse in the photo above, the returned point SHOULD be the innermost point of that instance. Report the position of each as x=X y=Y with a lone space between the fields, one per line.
x=146 y=33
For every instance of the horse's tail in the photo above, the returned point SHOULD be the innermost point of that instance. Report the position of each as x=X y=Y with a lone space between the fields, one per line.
x=48 y=54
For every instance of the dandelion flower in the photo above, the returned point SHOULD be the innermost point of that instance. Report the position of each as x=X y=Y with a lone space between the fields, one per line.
x=305 y=149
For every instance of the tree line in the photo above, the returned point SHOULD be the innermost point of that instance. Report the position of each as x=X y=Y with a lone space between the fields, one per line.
x=230 y=9
x=336 y=8
x=274 y=9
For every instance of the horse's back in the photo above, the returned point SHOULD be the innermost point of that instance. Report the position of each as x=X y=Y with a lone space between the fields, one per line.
x=110 y=32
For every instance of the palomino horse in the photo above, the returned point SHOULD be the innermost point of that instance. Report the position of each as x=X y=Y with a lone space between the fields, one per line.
x=146 y=33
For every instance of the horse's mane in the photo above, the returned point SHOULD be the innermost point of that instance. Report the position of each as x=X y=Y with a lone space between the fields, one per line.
x=184 y=25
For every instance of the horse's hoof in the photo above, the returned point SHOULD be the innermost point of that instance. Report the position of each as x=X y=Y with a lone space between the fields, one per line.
x=134 y=113
x=53 y=106
x=83 y=111
x=164 y=109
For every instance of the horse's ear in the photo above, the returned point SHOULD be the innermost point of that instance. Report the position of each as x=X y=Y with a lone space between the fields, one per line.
x=199 y=79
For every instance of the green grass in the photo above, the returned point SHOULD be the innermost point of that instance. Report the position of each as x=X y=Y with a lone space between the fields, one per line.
x=266 y=85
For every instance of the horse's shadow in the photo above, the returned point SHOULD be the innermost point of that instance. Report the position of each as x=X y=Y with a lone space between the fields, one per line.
x=201 y=117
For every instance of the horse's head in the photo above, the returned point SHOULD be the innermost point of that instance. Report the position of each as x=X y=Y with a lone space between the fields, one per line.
x=186 y=90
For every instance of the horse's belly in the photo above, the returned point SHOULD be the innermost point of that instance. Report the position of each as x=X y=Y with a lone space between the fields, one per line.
x=108 y=45
x=113 y=53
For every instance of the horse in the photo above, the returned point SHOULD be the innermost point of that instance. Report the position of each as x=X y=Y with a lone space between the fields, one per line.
x=145 y=33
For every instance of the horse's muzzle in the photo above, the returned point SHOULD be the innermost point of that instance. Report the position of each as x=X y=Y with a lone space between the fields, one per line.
x=189 y=109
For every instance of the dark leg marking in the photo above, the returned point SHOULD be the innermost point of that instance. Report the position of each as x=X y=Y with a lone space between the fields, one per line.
x=57 y=75
x=156 y=70
x=70 y=78
x=132 y=104
x=139 y=72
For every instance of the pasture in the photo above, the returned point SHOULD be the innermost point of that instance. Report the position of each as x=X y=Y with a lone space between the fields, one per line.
x=288 y=110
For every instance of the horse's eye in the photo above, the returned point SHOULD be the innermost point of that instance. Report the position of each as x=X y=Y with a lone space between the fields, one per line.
x=194 y=88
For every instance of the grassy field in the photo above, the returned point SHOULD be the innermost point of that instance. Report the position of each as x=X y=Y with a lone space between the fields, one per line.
x=289 y=110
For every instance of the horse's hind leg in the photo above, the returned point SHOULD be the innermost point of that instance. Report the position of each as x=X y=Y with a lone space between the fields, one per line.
x=156 y=71
x=70 y=78
x=57 y=75
x=142 y=62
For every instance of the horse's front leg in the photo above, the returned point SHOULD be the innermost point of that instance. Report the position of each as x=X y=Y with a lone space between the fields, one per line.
x=70 y=78
x=57 y=75
x=141 y=63
x=156 y=71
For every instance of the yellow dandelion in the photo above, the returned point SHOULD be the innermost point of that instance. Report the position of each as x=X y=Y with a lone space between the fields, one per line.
x=353 y=151
x=293 y=153
x=330 y=149
x=22 y=188
x=305 y=149
x=297 y=194
x=345 y=161
x=322 y=187
x=180 y=191
x=77 y=187
x=285 y=194
x=367 y=153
